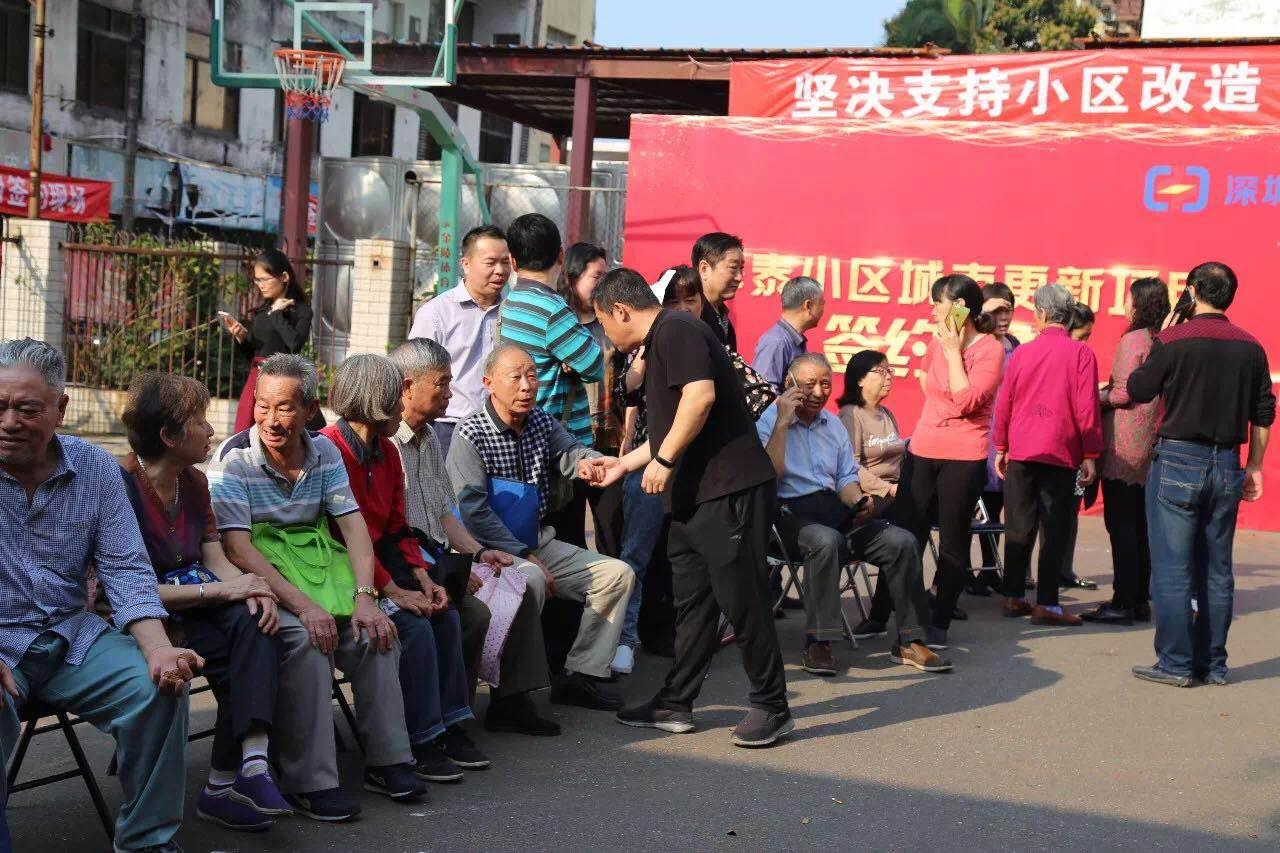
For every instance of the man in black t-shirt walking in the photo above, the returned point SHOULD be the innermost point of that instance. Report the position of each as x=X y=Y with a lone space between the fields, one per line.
x=703 y=456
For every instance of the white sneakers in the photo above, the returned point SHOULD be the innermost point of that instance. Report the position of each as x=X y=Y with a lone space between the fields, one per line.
x=624 y=661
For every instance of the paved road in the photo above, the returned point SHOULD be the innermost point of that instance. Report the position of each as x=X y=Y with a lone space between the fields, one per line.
x=1040 y=740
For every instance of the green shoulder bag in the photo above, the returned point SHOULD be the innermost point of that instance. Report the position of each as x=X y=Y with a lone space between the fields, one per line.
x=312 y=560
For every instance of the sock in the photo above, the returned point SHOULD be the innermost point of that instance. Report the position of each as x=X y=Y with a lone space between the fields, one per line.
x=220 y=780
x=253 y=751
x=1053 y=608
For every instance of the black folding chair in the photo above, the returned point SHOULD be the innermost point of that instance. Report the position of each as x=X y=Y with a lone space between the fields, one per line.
x=983 y=525
x=30 y=715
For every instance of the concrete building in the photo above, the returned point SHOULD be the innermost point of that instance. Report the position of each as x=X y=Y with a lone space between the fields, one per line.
x=1118 y=18
x=228 y=143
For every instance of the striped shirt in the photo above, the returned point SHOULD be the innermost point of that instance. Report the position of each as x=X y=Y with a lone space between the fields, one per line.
x=81 y=515
x=246 y=489
x=538 y=320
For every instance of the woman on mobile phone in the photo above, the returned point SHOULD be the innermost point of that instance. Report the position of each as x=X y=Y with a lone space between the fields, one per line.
x=280 y=323
x=946 y=461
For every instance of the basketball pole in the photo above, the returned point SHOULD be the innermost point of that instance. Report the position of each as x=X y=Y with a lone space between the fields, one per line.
x=299 y=142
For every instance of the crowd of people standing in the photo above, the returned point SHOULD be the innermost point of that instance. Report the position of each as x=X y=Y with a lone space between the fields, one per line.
x=435 y=535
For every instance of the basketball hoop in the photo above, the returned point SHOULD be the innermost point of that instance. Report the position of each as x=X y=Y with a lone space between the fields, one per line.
x=308 y=78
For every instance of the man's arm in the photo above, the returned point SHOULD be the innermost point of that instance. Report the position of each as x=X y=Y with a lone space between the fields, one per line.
x=240 y=551
x=1262 y=415
x=1147 y=380
x=566 y=451
x=469 y=476
x=696 y=400
x=768 y=361
x=772 y=431
x=571 y=344
x=1258 y=438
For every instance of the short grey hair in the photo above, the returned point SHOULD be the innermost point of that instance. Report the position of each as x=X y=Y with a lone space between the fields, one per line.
x=1056 y=302
x=420 y=356
x=491 y=360
x=366 y=389
x=288 y=366
x=813 y=359
x=799 y=290
x=43 y=358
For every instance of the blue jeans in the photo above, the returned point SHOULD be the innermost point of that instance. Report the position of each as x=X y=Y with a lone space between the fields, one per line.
x=641 y=526
x=112 y=689
x=433 y=677
x=1193 y=493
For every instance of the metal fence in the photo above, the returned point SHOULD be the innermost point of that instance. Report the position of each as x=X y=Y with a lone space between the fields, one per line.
x=136 y=303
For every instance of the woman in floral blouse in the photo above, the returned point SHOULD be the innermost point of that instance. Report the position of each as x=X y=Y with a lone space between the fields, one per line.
x=1129 y=432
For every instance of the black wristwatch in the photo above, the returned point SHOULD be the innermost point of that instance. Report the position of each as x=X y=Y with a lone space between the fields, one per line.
x=657 y=457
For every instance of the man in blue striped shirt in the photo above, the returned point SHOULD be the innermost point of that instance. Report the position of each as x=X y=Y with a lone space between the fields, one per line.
x=536 y=318
x=63 y=507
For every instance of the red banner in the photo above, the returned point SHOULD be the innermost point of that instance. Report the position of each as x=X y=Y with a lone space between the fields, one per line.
x=877 y=214
x=1175 y=87
x=61 y=198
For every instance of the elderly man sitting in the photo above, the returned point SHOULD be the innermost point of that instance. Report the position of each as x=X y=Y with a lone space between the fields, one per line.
x=513 y=440
x=429 y=507
x=272 y=487
x=64 y=507
x=822 y=514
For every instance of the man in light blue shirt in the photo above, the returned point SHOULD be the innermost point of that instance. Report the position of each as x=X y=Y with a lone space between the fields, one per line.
x=824 y=518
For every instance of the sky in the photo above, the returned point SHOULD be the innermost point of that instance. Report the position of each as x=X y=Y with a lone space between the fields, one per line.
x=742 y=23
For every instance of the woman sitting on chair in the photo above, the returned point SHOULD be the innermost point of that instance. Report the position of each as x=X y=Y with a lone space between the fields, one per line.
x=227 y=616
x=872 y=427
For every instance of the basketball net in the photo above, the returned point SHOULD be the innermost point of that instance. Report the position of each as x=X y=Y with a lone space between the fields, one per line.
x=308 y=78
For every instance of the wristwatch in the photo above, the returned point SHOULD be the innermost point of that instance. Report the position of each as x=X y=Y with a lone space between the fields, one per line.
x=365 y=590
x=657 y=457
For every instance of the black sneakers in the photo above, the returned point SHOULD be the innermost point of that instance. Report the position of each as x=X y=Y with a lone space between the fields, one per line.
x=761 y=728
x=455 y=743
x=518 y=715
x=650 y=716
x=397 y=781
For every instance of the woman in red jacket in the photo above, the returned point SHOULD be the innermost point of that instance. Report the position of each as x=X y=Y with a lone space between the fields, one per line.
x=366 y=395
x=946 y=459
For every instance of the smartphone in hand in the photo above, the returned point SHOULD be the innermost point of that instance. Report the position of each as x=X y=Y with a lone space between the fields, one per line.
x=957 y=316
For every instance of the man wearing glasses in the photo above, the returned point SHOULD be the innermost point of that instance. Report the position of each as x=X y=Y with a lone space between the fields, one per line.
x=825 y=518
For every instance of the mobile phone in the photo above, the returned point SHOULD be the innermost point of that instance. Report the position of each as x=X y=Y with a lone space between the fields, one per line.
x=223 y=314
x=1182 y=310
x=958 y=314
x=790 y=381
x=863 y=503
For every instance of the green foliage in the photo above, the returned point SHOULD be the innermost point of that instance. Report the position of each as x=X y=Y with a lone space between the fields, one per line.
x=991 y=26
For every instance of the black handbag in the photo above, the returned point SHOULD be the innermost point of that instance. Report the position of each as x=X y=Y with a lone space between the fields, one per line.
x=452 y=571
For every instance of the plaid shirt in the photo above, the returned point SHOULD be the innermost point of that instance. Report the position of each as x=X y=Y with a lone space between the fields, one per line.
x=80 y=516
x=428 y=491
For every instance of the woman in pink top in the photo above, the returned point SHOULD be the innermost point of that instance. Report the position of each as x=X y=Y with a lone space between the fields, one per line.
x=947 y=457
x=1128 y=439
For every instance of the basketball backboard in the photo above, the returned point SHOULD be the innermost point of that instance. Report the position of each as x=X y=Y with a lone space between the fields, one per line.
x=243 y=59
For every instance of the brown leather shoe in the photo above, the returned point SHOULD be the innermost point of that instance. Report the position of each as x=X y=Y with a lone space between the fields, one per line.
x=1014 y=607
x=921 y=657
x=819 y=659
x=1045 y=616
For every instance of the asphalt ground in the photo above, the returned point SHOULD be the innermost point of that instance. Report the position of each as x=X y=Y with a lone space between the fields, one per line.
x=1039 y=740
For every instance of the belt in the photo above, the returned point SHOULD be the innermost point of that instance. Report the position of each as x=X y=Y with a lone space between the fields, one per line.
x=1210 y=444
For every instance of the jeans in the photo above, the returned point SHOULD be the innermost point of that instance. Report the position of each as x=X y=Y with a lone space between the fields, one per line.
x=1038 y=497
x=112 y=689
x=718 y=566
x=641 y=526
x=1125 y=513
x=1193 y=493
x=433 y=678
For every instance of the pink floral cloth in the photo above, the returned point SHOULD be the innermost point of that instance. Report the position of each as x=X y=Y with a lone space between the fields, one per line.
x=502 y=595
x=1128 y=429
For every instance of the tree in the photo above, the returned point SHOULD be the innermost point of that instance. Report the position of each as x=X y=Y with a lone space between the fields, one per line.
x=991 y=26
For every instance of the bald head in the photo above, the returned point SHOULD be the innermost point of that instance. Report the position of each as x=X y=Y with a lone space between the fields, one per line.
x=512 y=381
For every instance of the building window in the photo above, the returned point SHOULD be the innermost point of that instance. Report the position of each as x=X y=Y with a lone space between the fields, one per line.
x=203 y=103
x=495 y=139
x=15 y=42
x=372 y=127
x=560 y=37
x=506 y=38
x=466 y=23
x=415 y=29
x=102 y=57
x=397 y=20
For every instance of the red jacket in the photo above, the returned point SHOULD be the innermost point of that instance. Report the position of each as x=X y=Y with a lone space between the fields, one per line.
x=1048 y=408
x=379 y=490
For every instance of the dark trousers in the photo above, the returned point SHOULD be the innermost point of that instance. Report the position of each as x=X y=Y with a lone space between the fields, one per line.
x=433 y=678
x=718 y=565
x=953 y=486
x=1124 y=509
x=1037 y=498
x=236 y=654
x=657 y=625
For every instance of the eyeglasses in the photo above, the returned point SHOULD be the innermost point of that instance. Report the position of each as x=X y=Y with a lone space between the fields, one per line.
x=882 y=371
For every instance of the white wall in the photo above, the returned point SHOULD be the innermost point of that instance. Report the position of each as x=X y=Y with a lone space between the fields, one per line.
x=1219 y=19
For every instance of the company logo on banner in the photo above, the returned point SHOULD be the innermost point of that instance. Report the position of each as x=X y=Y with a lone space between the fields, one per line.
x=1181 y=87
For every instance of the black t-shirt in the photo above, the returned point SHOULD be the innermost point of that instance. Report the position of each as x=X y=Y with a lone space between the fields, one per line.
x=726 y=456
x=272 y=332
x=718 y=322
